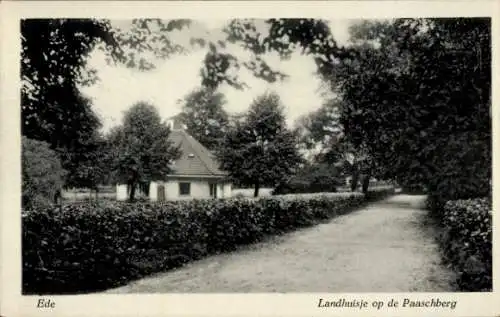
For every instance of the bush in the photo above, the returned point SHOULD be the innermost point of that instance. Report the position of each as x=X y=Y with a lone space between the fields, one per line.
x=467 y=242
x=42 y=174
x=462 y=171
x=93 y=246
x=312 y=178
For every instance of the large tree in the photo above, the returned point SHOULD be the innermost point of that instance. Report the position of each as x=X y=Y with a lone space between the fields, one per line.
x=204 y=116
x=141 y=149
x=417 y=97
x=260 y=150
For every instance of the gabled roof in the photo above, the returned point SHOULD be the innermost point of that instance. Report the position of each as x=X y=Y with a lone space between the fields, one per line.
x=195 y=159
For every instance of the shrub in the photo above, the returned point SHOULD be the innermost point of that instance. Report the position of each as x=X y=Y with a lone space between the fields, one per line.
x=467 y=242
x=418 y=189
x=91 y=246
x=312 y=178
x=462 y=171
x=42 y=174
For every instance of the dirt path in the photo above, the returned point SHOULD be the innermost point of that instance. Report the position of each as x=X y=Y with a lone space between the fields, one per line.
x=384 y=247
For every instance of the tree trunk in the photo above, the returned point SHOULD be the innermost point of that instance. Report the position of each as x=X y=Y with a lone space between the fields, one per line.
x=132 y=191
x=256 y=191
x=366 y=183
x=57 y=197
x=354 y=181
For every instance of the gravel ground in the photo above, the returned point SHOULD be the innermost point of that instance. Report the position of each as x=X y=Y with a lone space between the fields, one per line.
x=384 y=247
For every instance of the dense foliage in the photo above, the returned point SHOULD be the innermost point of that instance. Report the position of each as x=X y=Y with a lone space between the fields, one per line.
x=321 y=128
x=416 y=80
x=87 y=247
x=467 y=242
x=465 y=169
x=53 y=57
x=311 y=178
x=260 y=150
x=42 y=174
x=204 y=116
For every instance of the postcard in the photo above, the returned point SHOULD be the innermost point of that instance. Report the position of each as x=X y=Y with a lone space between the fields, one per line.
x=238 y=158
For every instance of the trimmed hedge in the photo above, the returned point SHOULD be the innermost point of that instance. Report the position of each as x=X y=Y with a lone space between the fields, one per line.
x=88 y=247
x=467 y=242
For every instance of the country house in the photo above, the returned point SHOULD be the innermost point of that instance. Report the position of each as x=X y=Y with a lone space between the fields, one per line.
x=195 y=175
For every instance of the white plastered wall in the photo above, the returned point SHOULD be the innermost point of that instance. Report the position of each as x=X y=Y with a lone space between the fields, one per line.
x=121 y=192
x=228 y=190
x=200 y=189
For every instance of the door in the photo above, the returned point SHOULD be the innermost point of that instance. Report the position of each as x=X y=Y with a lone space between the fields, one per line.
x=161 y=192
x=213 y=190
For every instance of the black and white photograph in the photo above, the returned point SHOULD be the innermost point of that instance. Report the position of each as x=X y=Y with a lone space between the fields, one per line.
x=285 y=155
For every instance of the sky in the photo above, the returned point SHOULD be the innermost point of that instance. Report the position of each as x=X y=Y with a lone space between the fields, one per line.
x=172 y=79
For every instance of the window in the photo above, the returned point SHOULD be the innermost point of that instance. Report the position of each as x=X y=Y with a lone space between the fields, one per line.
x=184 y=189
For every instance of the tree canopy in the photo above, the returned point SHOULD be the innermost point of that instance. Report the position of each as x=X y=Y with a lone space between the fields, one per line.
x=204 y=116
x=260 y=150
x=320 y=130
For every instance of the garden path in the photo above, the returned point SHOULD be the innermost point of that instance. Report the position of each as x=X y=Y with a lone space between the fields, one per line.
x=384 y=247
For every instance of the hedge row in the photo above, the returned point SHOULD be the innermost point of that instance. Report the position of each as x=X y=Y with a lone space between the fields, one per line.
x=88 y=247
x=467 y=242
